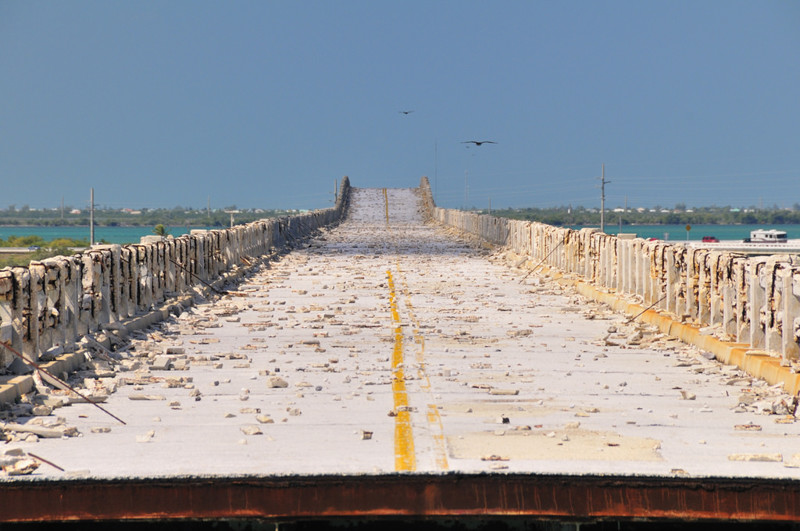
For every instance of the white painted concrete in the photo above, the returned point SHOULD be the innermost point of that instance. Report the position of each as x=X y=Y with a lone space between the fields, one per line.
x=481 y=341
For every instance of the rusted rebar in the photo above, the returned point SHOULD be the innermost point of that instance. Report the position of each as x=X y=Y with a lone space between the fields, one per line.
x=59 y=380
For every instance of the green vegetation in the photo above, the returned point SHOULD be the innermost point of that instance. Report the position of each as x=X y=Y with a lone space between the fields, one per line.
x=679 y=215
x=146 y=217
x=158 y=218
x=39 y=249
x=160 y=230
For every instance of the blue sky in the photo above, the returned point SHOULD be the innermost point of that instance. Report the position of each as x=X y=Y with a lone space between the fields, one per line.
x=267 y=104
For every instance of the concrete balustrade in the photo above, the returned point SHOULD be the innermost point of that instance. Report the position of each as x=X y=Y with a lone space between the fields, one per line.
x=753 y=301
x=49 y=305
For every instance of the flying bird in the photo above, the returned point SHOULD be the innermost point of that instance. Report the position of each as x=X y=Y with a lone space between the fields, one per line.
x=478 y=142
x=405 y=112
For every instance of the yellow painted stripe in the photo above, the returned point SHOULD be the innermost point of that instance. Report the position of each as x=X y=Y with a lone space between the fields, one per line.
x=404 y=458
x=434 y=419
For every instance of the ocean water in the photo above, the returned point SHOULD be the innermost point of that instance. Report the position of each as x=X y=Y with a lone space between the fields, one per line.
x=124 y=235
x=119 y=235
x=678 y=233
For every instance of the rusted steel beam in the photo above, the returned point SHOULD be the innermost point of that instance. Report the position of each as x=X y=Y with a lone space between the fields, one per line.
x=412 y=495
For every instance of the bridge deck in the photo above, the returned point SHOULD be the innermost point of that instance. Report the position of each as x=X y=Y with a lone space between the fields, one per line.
x=389 y=347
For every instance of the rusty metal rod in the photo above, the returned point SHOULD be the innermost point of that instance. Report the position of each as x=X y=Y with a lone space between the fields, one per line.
x=43 y=460
x=59 y=380
x=649 y=307
x=218 y=291
x=543 y=260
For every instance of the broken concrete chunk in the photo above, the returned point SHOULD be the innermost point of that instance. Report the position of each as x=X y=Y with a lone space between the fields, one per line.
x=161 y=363
x=792 y=462
x=147 y=437
x=747 y=427
x=54 y=432
x=146 y=397
x=761 y=458
x=251 y=430
x=21 y=467
x=504 y=391
x=41 y=411
x=276 y=382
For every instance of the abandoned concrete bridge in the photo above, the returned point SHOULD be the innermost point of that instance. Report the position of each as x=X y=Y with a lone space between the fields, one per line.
x=388 y=358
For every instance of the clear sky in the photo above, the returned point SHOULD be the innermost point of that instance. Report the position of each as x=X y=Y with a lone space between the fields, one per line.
x=267 y=104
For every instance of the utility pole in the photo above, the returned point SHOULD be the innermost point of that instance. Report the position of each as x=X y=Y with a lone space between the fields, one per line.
x=91 y=217
x=435 y=165
x=603 y=183
x=466 y=189
x=490 y=206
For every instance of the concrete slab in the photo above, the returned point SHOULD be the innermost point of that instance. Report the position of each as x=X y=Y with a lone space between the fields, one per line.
x=452 y=358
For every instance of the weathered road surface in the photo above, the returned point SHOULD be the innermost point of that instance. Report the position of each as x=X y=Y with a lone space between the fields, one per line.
x=388 y=345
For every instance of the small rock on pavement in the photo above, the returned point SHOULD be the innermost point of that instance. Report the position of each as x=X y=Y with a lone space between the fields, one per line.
x=508 y=392
x=41 y=411
x=276 y=382
x=147 y=437
x=161 y=363
x=792 y=462
x=763 y=458
x=251 y=430
x=23 y=467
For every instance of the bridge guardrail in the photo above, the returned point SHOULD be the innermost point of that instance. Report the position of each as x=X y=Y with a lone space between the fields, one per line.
x=53 y=303
x=754 y=301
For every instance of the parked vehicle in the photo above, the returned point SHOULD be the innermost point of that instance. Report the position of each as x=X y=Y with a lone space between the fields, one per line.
x=710 y=239
x=767 y=236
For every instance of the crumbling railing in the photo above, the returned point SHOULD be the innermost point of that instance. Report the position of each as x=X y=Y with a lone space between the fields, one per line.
x=752 y=300
x=52 y=303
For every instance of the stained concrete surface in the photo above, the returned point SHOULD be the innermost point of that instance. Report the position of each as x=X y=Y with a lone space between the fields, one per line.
x=388 y=344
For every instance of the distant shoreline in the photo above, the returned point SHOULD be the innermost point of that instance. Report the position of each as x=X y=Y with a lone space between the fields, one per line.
x=70 y=225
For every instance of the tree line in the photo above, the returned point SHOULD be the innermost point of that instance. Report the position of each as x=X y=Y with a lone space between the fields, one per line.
x=580 y=216
x=146 y=217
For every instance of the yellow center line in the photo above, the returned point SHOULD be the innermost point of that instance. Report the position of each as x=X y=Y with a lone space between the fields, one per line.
x=404 y=458
x=434 y=419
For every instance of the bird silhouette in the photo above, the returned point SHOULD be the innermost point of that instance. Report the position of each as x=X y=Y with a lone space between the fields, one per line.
x=478 y=142
x=405 y=112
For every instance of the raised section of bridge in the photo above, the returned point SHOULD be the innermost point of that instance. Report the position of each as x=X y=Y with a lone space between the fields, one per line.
x=390 y=359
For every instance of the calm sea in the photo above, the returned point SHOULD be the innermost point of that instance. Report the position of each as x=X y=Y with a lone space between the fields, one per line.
x=679 y=232
x=662 y=232
x=105 y=234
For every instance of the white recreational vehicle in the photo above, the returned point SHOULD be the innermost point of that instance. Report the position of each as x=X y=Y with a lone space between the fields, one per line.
x=767 y=236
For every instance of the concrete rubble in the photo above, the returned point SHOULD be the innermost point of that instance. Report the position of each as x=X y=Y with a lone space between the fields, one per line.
x=319 y=358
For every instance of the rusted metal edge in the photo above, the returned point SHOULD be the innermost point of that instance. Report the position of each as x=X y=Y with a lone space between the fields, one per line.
x=411 y=495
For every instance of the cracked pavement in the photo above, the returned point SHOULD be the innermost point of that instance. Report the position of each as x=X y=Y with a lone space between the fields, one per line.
x=390 y=345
